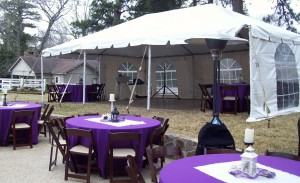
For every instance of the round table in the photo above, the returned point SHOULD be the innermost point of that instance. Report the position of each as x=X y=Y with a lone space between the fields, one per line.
x=183 y=170
x=6 y=113
x=101 y=131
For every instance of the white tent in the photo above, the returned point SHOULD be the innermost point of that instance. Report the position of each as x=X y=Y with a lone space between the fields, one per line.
x=170 y=29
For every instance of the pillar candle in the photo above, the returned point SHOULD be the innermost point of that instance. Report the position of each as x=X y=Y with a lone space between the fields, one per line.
x=4 y=91
x=249 y=135
x=111 y=97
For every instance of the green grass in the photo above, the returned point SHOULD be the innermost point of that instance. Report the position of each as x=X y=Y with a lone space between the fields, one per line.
x=281 y=136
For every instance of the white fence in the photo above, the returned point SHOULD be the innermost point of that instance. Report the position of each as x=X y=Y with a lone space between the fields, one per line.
x=8 y=83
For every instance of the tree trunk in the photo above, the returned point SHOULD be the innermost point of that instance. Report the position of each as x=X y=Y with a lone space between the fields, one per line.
x=237 y=6
x=117 y=12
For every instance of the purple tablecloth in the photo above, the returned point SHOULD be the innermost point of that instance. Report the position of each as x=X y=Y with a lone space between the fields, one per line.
x=101 y=131
x=6 y=113
x=242 y=92
x=183 y=170
x=76 y=91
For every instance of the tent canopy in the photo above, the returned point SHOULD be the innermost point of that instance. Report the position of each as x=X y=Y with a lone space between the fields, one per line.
x=167 y=32
x=170 y=28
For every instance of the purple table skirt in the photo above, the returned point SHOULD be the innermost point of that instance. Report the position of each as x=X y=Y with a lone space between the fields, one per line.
x=6 y=115
x=101 y=131
x=77 y=92
x=183 y=170
x=242 y=92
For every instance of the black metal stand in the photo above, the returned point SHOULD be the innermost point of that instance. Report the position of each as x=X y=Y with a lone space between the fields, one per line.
x=4 y=100
x=248 y=144
x=164 y=87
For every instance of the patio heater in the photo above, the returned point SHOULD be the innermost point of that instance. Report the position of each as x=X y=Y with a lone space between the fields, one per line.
x=216 y=46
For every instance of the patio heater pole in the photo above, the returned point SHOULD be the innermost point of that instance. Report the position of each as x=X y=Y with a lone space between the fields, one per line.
x=216 y=47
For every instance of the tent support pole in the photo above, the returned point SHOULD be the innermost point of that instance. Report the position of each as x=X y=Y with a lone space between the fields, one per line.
x=84 y=68
x=99 y=70
x=149 y=78
x=42 y=78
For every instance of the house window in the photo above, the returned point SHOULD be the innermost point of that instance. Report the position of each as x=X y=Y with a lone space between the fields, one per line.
x=56 y=79
x=230 y=71
x=129 y=70
x=166 y=77
x=286 y=77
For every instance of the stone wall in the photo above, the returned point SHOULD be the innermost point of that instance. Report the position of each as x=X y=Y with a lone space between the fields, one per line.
x=187 y=144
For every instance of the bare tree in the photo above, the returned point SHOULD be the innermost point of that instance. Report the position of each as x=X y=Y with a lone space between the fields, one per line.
x=53 y=10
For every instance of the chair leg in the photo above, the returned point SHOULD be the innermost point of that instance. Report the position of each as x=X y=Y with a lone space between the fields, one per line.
x=30 y=137
x=14 y=139
x=67 y=167
x=51 y=155
x=111 y=174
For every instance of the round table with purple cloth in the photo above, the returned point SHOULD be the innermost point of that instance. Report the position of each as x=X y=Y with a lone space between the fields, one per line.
x=183 y=170
x=101 y=131
x=6 y=113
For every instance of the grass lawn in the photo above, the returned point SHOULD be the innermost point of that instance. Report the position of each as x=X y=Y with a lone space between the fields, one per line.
x=281 y=136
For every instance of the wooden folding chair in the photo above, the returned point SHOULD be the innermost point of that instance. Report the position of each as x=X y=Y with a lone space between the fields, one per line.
x=233 y=98
x=52 y=93
x=115 y=153
x=157 y=139
x=162 y=120
x=44 y=113
x=58 y=141
x=222 y=151
x=22 y=121
x=133 y=171
x=282 y=155
x=88 y=152
x=42 y=122
x=60 y=91
x=89 y=114
x=247 y=98
x=161 y=152
x=206 y=97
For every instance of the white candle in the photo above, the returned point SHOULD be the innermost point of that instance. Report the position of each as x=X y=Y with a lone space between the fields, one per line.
x=249 y=135
x=111 y=97
x=4 y=91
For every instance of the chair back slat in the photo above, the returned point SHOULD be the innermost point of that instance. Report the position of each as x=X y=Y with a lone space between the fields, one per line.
x=282 y=155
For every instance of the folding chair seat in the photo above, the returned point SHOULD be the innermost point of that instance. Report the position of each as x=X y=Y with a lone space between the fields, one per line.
x=282 y=155
x=22 y=121
x=130 y=146
x=161 y=152
x=233 y=98
x=58 y=141
x=42 y=122
x=133 y=171
x=82 y=151
x=206 y=97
